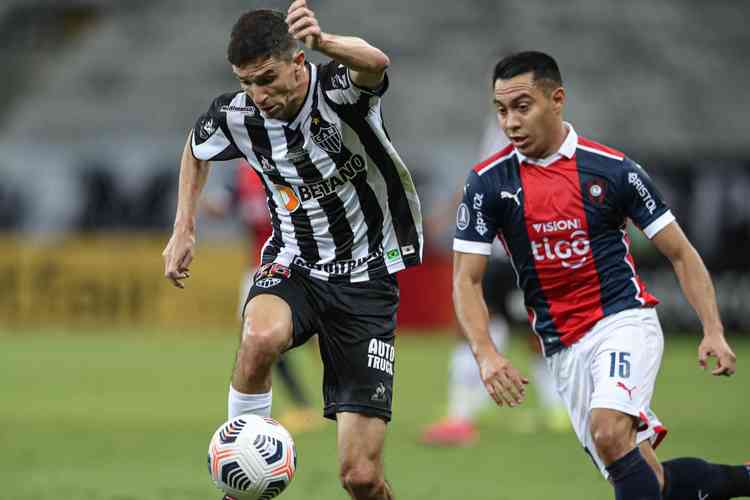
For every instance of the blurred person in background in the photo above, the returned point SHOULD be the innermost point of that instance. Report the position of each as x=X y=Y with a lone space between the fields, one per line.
x=466 y=394
x=345 y=213
x=246 y=197
x=561 y=203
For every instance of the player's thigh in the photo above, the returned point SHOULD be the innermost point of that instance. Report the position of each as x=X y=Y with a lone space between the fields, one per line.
x=360 y=441
x=268 y=316
x=613 y=428
x=280 y=305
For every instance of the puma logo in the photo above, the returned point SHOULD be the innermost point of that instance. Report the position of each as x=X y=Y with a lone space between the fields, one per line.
x=625 y=388
x=514 y=197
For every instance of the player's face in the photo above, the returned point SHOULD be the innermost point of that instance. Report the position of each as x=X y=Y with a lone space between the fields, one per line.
x=275 y=85
x=529 y=114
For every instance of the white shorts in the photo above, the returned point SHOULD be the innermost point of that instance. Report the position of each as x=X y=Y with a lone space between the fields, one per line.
x=613 y=366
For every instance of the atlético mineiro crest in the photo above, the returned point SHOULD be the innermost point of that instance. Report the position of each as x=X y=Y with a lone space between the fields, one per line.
x=270 y=275
x=596 y=190
x=325 y=135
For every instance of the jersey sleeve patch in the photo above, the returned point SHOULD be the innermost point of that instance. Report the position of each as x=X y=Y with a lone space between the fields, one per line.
x=336 y=81
x=209 y=138
x=475 y=219
x=640 y=199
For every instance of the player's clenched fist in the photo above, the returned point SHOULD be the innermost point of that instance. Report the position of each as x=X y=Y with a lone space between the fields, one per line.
x=178 y=254
x=503 y=382
x=302 y=24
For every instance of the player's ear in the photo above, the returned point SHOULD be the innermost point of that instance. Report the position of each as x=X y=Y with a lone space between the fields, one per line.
x=558 y=99
x=298 y=58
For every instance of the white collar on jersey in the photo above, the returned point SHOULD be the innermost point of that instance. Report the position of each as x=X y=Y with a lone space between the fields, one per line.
x=567 y=150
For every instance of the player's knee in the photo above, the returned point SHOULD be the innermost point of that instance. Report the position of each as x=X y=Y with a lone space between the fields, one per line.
x=262 y=344
x=611 y=440
x=361 y=477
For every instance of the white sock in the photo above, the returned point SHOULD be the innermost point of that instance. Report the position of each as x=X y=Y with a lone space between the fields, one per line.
x=240 y=403
x=466 y=392
x=545 y=385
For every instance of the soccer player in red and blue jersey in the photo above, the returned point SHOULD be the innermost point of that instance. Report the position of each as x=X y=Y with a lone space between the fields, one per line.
x=560 y=205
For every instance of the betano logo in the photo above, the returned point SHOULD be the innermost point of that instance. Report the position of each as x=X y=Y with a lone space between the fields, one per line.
x=289 y=198
x=353 y=168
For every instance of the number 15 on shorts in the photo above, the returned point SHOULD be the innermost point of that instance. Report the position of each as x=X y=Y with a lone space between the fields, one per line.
x=619 y=364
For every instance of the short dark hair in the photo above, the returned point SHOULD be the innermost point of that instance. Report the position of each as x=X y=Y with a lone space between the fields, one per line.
x=259 y=34
x=542 y=66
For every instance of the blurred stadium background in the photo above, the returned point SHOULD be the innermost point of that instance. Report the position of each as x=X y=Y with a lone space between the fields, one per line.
x=113 y=381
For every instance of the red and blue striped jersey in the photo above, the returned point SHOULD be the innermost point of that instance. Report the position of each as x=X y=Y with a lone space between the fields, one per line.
x=563 y=222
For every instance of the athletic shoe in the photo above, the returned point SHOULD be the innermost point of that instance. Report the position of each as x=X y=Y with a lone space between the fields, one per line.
x=450 y=431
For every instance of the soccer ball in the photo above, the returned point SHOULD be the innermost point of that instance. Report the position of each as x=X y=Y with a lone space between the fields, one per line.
x=252 y=458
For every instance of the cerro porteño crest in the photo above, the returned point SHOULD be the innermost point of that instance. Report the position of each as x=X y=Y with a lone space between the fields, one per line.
x=324 y=134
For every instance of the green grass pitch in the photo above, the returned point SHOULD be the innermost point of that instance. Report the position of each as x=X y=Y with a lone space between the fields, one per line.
x=127 y=415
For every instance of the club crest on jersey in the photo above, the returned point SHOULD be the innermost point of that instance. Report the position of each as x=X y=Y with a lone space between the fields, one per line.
x=271 y=274
x=325 y=135
x=596 y=190
x=207 y=127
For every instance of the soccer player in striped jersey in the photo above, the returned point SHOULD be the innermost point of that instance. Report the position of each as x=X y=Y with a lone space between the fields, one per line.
x=560 y=203
x=345 y=216
x=246 y=197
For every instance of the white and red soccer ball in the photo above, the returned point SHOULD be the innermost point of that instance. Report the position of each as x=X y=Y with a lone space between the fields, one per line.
x=251 y=458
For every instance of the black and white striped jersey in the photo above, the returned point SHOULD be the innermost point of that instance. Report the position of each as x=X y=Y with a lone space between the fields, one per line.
x=342 y=203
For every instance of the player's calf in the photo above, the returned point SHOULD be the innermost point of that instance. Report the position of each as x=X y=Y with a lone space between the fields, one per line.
x=696 y=478
x=363 y=480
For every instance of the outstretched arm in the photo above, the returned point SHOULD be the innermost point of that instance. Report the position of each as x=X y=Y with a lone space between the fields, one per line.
x=366 y=63
x=178 y=254
x=502 y=381
x=699 y=290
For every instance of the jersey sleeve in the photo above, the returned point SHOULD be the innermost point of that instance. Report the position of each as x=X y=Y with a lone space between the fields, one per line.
x=339 y=88
x=210 y=137
x=641 y=201
x=476 y=224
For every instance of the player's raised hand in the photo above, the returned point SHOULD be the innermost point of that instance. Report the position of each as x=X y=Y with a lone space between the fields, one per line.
x=717 y=347
x=503 y=382
x=302 y=24
x=178 y=254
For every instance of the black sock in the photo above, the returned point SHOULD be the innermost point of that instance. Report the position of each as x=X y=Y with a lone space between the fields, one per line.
x=688 y=478
x=633 y=478
x=291 y=382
